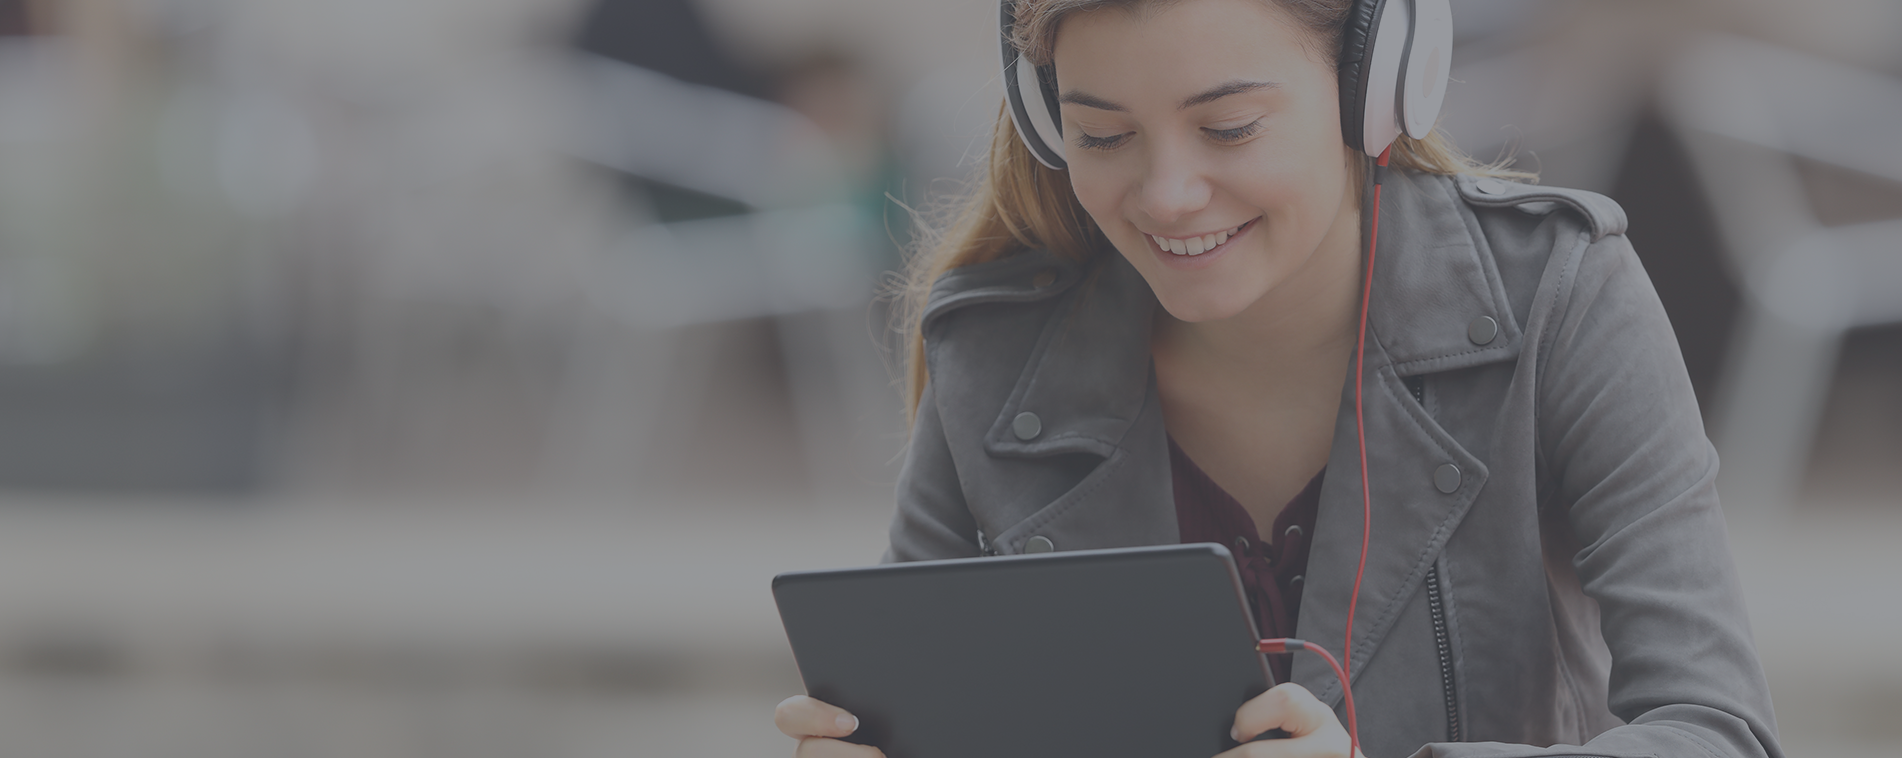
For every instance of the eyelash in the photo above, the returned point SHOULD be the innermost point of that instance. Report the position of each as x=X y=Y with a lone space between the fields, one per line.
x=1088 y=142
x=1236 y=134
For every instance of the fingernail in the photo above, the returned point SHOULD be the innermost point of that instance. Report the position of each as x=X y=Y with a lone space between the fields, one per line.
x=848 y=722
x=1234 y=734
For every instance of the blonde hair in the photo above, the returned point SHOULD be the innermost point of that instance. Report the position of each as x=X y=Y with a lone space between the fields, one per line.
x=1018 y=204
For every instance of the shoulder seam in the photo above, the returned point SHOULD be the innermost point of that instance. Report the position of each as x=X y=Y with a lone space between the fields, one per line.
x=1602 y=213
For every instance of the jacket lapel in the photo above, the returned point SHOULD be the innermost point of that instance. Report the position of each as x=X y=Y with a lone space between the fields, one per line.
x=1411 y=520
x=1091 y=389
x=1431 y=281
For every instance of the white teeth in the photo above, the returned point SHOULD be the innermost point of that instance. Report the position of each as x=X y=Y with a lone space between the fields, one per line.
x=1196 y=245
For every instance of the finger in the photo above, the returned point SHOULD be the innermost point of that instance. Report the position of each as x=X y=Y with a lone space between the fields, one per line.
x=1290 y=707
x=801 y=716
x=821 y=747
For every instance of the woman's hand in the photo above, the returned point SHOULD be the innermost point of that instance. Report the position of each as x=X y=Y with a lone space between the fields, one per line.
x=1313 y=731
x=817 y=725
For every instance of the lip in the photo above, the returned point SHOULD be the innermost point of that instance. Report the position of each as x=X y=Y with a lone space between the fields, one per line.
x=1206 y=259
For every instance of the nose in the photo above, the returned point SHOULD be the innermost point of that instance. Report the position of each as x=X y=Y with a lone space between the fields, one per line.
x=1173 y=186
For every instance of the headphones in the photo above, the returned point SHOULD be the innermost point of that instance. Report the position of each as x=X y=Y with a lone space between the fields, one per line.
x=1394 y=63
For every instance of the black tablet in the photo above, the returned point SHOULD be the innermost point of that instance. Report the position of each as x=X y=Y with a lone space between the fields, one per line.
x=1138 y=652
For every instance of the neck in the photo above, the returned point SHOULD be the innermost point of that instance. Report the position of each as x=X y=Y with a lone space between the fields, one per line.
x=1297 y=329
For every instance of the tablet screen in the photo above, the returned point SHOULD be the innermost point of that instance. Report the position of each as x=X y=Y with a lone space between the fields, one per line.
x=1139 y=652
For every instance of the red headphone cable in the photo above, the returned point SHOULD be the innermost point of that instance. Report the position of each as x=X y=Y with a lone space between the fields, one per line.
x=1343 y=670
x=1360 y=423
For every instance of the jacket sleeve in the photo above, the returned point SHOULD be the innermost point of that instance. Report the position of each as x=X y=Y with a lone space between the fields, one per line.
x=932 y=520
x=1627 y=463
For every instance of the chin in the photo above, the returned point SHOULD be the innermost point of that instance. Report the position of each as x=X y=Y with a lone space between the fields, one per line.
x=1202 y=305
x=1218 y=292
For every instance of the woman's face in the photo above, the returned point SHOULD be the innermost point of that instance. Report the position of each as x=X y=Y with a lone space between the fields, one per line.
x=1211 y=125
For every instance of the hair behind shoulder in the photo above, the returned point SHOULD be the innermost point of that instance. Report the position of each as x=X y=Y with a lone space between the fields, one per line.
x=1016 y=203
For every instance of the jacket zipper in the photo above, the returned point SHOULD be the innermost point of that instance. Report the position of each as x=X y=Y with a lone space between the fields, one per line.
x=1436 y=605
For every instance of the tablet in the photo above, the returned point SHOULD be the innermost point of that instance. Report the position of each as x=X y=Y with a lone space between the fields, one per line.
x=1137 y=652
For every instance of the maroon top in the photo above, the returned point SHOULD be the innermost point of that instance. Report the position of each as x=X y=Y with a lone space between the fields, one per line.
x=1271 y=573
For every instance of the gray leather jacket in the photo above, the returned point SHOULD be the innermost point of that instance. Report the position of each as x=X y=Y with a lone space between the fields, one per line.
x=1548 y=567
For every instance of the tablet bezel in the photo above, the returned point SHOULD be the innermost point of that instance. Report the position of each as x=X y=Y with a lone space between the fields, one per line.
x=1020 y=635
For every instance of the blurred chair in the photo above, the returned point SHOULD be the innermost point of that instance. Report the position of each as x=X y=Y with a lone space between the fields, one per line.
x=783 y=240
x=1750 y=115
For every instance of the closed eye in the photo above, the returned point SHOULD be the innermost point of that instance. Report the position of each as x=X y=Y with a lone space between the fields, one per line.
x=1088 y=142
x=1236 y=134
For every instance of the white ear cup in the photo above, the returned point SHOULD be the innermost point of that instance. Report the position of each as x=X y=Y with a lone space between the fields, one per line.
x=1031 y=112
x=1042 y=118
x=1380 y=123
x=1429 y=55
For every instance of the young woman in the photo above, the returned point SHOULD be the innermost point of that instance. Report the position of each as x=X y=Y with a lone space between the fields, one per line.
x=1162 y=343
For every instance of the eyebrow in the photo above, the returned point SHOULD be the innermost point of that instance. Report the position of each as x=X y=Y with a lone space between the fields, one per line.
x=1219 y=91
x=1225 y=89
x=1087 y=100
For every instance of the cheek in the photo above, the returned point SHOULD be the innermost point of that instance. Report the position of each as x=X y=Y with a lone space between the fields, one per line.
x=1299 y=188
x=1100 y=192
x=1280 y=174
x=1276 y=194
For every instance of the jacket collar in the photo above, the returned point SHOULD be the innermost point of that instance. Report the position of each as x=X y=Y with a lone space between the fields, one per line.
x=1434 y=277
x=1088 y=376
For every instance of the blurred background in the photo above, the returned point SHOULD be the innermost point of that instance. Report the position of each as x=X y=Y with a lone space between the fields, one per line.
x=449 y=377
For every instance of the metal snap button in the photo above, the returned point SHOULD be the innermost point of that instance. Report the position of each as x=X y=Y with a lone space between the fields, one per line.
x=1446 y=478
x=1241 y=543
x=1039 y=544
x=1293 y=533
x=1044 y=278
x=1490 y=186
x=1026 y=426
x=1297 y=581
x=1482 y=330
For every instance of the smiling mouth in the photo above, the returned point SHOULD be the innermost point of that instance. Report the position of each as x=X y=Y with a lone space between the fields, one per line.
x=1192 y=246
